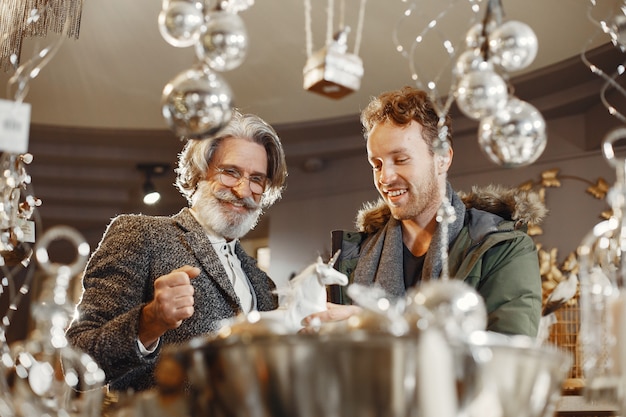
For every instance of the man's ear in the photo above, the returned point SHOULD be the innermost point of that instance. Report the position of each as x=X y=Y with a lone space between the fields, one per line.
x=443 y=162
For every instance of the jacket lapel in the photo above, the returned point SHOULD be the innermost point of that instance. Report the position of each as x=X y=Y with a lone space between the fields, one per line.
x=203 y=251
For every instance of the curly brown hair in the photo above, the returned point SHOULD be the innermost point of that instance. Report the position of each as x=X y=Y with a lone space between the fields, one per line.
x=403 y=106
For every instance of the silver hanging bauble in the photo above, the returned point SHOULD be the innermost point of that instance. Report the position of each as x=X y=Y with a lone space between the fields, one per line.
x=514 y=136
x=197 y=102
x=476 y=37
x=471 y=60
x=481 y=93
x=455 y=307
x=235 y=6
x=223 y=41
x=180 y=22
x=513 y=45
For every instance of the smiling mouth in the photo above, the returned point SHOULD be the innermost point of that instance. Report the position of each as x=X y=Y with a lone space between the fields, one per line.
x=395 y=193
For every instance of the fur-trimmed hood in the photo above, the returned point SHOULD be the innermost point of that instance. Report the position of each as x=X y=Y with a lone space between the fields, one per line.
x=509 y=203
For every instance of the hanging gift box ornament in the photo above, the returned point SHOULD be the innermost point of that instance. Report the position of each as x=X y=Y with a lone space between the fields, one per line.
x=332 y=71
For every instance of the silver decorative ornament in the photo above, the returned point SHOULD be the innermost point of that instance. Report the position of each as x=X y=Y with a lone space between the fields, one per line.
x=513 y=45
x=454 y=306
x=471 y=60
x=180 y=22
x=50 y=377
x=515 y=136
x=223 y=41
x=476 y=36
x=236 y=6
x=196 y=102
x=481 y=93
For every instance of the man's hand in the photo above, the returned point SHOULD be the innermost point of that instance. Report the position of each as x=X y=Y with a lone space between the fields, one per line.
x=333 y=312
x=172 y=303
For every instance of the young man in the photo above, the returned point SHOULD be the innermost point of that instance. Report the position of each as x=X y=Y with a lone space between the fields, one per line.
x=398 y=240
x=156 y=281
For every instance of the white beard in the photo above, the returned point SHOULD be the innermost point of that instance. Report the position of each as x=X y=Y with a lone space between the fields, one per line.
x=211 y=213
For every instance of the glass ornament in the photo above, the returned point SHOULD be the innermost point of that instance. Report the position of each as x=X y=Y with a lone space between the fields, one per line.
x=515 y=136
x=471 y=60
x=196 y=102
x=50 y=377
x=476 y=37
x=602 y=272
x=481 y=93
x=223 y=41
x=236 y=6
x=180 y=22
x=454 y=306
x=513 y=45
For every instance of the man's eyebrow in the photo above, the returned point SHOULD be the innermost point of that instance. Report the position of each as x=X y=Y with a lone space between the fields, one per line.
x=240 y=169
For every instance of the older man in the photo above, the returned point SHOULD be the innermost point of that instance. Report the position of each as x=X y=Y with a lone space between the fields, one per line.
x=157 y=281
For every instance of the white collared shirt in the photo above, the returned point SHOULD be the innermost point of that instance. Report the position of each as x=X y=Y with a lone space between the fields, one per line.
x=238 y=278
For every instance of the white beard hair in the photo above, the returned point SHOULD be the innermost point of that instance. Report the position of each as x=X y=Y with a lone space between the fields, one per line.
x=210 y=212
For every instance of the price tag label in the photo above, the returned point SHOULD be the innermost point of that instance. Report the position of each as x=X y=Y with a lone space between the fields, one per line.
x=14 y=126
x=28 y=228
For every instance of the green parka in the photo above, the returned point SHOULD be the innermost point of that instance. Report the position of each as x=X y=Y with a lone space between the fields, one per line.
x=489 y=249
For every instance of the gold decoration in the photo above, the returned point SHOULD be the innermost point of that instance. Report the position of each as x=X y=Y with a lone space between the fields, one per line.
x=606 y=214
x=551 y=272
x=34 y=18
x=550 y=178
x=599 y=189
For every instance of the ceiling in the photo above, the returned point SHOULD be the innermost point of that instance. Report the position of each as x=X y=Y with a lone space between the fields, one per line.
x=96 y=106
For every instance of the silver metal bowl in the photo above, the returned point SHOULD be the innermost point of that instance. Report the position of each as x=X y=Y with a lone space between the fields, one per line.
x=367 y=375
x=304 y=375
x=519 y=377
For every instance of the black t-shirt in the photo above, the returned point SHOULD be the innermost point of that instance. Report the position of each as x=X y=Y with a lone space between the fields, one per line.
x=412 y=266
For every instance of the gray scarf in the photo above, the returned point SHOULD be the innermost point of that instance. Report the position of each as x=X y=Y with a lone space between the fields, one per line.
x=381 y=255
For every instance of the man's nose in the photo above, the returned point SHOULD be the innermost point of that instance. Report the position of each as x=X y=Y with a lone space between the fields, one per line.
x=242 y=189
x=386 y=175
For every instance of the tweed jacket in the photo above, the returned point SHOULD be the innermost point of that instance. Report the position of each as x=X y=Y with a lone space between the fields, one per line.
x=489 y=249
x=119 y=281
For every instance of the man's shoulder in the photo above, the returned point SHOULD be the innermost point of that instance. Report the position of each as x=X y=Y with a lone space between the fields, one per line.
x=481 y=224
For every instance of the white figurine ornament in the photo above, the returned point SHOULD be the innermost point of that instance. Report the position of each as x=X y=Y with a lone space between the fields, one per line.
x=305 y=294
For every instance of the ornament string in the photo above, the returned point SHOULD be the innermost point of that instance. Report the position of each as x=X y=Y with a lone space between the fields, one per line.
x=610 y=80
x=330 y=11
x=329 y=25
x=307 y=28
x=359 y=28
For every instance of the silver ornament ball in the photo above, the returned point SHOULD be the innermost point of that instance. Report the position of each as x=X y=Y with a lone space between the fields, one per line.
x=515 y=136
x=454 y=306
x=481 y=93
x=197 y=102
x=223 y=41
x=180 y=22
x=513 y=45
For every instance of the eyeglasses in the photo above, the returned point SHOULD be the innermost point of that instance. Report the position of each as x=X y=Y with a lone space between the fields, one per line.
x=231 y=177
